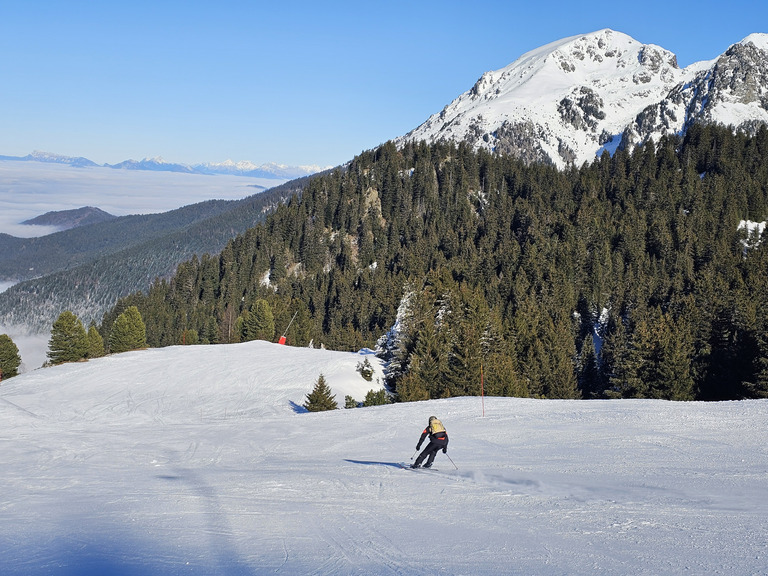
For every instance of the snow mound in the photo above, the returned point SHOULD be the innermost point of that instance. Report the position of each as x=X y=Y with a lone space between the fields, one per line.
x=190 y=383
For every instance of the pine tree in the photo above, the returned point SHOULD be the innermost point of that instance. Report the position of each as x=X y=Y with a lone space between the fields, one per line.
x=258 y=323
x=241 y=327
x=760 y=387
x=376 y=398
x=128 y=332
x=614 y=354
x=589 y=373
x=95 y=342
x=189 y=337
x=9 y=357
x=262 y=324
x=500 y=377
x=365 y=369
x=69 y=341
x=410 y=388
x=673 y=368
x=320 y=399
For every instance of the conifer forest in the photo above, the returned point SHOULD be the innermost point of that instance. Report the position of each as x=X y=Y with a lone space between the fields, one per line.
x=626 y=278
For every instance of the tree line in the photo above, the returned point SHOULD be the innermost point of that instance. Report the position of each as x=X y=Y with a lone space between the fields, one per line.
x=71 y=342
x=626 y=277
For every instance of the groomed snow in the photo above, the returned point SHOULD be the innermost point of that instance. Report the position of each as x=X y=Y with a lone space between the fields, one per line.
x=199 y=460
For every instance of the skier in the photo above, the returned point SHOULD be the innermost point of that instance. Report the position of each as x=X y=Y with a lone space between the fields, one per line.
x=438 y=439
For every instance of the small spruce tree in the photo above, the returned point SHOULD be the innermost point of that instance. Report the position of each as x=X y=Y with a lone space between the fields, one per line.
x=376 y=398
x=263 y=321
x=9 y=357
x=365 y=369
x=189 y=337
x=320 y=399
x=95 y=342
x=69 y=341
x=128 y=332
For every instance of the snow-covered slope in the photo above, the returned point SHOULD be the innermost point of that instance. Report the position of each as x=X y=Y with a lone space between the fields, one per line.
x=197 y=460
x=570 y=100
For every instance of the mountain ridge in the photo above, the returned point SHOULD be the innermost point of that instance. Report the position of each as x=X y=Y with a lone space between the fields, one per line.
x=158 y=164
x=568 y=101
x=66 y=219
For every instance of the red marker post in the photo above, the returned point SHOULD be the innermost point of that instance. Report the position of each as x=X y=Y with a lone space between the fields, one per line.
x=282 y=338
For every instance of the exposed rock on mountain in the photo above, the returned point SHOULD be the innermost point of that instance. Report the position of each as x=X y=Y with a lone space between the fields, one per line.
x=732 y=90
x=568 y=101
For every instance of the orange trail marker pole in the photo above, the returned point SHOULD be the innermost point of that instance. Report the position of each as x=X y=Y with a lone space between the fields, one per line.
x=482 y=392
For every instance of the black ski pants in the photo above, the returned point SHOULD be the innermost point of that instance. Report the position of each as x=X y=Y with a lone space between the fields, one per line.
x=429 y=452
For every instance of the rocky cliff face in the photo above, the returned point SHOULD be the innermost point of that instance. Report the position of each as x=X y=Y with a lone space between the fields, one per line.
x=732 y=90
x=568 y=101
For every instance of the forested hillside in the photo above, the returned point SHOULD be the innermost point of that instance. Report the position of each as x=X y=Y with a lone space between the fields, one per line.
x=25 y=258
x=88 y=269
x=628 y=277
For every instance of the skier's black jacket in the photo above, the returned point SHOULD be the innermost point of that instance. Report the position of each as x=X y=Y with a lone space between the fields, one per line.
x=439 y=437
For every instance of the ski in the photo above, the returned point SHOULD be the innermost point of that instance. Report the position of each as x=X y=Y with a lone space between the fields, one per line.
x=405 y=466
x=433 y=471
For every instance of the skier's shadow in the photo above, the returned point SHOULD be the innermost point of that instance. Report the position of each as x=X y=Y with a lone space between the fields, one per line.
x=374 y=463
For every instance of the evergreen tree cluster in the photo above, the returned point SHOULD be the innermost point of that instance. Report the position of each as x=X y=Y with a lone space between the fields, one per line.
x=628 y=277
x=70 y=342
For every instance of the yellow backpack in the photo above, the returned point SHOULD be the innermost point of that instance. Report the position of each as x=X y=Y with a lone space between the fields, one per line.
x=436 y=426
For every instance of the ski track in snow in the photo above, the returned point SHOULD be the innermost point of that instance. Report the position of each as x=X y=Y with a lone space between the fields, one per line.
x=197 y=460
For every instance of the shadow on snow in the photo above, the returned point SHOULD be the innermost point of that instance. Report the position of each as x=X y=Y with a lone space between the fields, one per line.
x=374 y=463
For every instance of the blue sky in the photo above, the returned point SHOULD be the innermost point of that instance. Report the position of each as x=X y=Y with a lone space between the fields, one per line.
x=292 y=82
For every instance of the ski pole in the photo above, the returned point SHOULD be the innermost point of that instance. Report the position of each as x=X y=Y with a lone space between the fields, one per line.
x=452 y=462
x=414 y=454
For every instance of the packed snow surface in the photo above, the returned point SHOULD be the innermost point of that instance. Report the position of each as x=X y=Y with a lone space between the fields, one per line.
x=200 y=460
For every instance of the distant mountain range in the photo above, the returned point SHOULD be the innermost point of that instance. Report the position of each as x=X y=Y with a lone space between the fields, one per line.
x=568 y=101
x=269 y=170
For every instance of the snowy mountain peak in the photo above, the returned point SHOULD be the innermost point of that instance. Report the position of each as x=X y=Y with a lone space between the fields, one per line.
x=49 y=157
x=268 y=170
x=603 y=51
x=760 y=40
x=571 y=99
x=242 y=166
